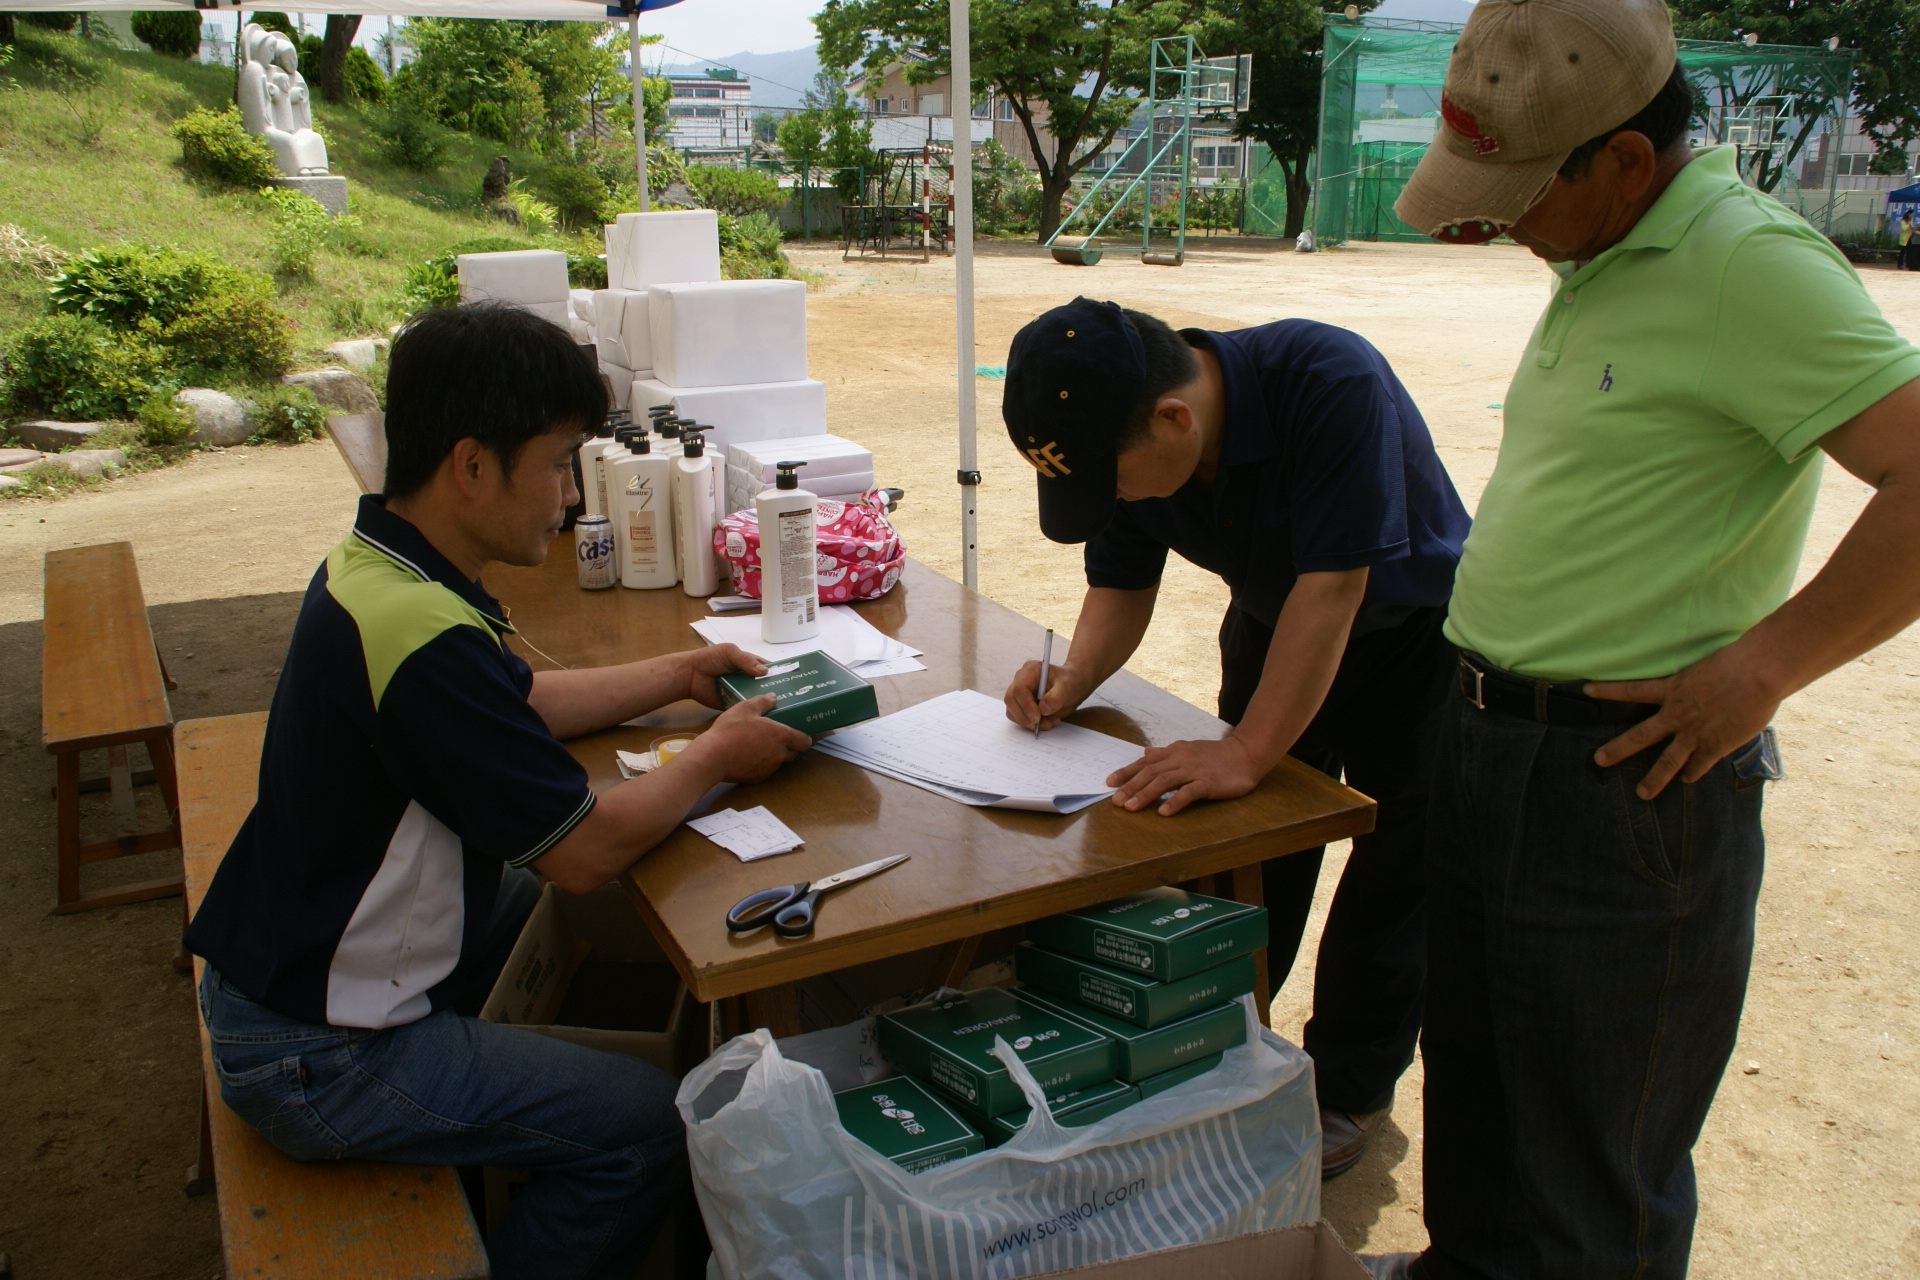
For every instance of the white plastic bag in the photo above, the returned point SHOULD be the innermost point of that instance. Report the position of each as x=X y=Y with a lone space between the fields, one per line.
x=787 y=1192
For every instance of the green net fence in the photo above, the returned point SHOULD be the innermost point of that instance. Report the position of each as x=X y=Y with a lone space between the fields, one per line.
x=1380 y=105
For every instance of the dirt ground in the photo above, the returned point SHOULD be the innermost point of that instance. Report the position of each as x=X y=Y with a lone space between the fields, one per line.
x=1806 y=1166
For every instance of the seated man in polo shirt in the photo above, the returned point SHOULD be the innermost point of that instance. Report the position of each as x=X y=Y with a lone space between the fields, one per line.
x=412 y=770
x=1289 y=460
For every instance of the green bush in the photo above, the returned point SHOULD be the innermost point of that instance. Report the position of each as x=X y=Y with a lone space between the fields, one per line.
x=174 y=32
x=216 y=146
x=735 y=191
x=163 y=424
x=230 y=335
x=576 y=191
x=287 y=415
x=77 y=368
x=128 y=283
x=409 y=135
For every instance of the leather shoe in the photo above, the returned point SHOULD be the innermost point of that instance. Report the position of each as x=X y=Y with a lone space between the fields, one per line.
x=1389 y=1266
x=1344 y=1138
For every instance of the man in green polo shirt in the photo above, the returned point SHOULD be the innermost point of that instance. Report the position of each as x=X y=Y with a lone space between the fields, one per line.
x=1626 y=629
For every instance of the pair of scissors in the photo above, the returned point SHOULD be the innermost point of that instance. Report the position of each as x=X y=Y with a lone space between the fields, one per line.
x=790 y=908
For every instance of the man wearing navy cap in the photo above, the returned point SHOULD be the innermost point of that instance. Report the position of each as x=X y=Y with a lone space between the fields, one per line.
x=1289 y=460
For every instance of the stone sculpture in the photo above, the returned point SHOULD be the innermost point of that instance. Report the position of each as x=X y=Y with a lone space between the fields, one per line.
x=274 y=102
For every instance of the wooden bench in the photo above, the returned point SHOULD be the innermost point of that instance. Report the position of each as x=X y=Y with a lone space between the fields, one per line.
x=361 y=439
x=102 y=684
x=281 y=1219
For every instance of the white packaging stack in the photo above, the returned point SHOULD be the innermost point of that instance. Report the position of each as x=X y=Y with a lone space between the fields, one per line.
x=645 y=249
x=621 y=325
x=535 y=279
x=728 y=333
x=836 y=468
x=757 y=411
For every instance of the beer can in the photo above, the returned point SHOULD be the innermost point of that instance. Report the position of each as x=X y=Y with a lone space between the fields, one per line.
x=593 y=543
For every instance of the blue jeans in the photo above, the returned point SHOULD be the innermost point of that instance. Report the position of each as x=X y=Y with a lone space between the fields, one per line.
x=1589 y=957
x=597 y=1131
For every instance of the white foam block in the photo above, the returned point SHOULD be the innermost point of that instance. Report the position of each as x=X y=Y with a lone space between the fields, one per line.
x=725 y=334
x=621 y=382
x=517 y=275
x=623 y=328
x=645 y=249
x=755 y=411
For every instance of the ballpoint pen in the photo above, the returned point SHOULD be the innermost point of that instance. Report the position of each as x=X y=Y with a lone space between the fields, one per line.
x=1046 y=660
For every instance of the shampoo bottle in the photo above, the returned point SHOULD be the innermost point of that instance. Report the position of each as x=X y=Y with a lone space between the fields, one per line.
x=789 y=593
x=640 y=484
x=694 y=517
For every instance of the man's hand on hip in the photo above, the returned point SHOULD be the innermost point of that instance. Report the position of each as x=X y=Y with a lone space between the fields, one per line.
x=1707 y=710
x=1218 y=770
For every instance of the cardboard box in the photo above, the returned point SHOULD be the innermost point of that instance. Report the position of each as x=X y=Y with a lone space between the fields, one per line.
x=1311 y=1251
x=729 y=333
x=950 y=1045
x=1141 y=1001
x=751 y=411
x=1163 y=933
x=1139 y=1053
x=623 y=330
x=518 y=276
x=645 y=249
x=1179 y=1075
x=812 y=693
x=906 y=1124
x=1070 y=1110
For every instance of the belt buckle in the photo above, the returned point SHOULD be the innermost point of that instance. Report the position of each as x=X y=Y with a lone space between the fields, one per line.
x=1478 y=696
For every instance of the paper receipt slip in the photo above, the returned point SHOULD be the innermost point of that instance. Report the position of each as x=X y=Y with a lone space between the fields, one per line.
x=747 y=833
x=961 y=745
x=812 y=693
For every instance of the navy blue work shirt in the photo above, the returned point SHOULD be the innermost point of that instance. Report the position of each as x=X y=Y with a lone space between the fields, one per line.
x=1325 y=465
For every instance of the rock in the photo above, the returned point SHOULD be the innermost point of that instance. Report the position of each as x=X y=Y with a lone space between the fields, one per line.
x=51 y=437
x=18 y=458
x=340 y=388
x=90 y=462
x=218 y=418
x=356 y=353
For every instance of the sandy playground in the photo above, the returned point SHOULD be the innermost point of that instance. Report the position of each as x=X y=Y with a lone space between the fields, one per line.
x=1807 y=1164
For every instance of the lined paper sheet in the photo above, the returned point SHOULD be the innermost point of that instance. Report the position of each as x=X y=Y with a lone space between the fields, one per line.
x=961 y=745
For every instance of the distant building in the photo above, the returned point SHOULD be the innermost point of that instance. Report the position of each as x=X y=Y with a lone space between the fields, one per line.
x=711 y=112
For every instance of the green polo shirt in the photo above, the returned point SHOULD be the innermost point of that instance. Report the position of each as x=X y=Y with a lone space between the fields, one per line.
x=1658 y=467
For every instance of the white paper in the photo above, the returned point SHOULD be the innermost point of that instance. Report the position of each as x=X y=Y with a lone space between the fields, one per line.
x=961 y=745
x=845 y=636
x=748 y=834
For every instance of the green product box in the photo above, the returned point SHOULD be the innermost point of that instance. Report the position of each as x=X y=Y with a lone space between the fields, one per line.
x=1140 y=1053
x=1166 y=934
x=1129 y=997
x=906 y=1124
x=812 y=693
x=1070 y=1110
x=950 y=1045
x=1179 y=1075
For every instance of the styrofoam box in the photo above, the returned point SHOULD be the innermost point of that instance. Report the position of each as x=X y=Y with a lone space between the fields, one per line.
x=743 y=487
x=621 y=383
x=645 y=249
x=725 y=334
x=620 y=322
x=756 y=411
x=517 y=275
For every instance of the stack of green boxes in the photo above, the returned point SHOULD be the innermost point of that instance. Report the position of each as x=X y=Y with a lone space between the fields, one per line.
x=1117 y=1003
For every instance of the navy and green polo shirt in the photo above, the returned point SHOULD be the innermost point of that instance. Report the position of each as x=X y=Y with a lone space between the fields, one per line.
x=1325 y=465
x=402 y=771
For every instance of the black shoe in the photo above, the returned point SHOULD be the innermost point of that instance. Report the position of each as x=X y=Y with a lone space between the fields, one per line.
x=1344 y=1138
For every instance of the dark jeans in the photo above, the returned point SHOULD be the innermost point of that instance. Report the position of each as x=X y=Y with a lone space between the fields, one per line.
x=1589 y=956
x=598 y=1131
x=1378 y=726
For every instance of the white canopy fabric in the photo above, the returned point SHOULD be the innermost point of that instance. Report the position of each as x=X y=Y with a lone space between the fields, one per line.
x=598 y=11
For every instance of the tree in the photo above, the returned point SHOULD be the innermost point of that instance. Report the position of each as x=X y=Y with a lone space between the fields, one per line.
x=1883 y=33
x=174 y=32
x=1072 y=68
x=331 y=67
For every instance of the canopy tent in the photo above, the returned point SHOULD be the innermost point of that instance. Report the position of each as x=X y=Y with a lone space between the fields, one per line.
x=630 y=10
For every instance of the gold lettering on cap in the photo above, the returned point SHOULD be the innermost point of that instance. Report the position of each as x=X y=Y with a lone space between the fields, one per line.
x=1046 y=460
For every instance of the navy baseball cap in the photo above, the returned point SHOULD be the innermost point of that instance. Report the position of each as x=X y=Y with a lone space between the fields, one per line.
x=1074 y=377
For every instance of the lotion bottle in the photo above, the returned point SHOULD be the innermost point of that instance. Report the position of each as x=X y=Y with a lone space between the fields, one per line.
x=694 y=517
x=789 y=591
x=640 y=484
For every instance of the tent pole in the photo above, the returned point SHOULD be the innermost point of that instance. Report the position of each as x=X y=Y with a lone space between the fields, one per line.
x=639 y=103
x=961 y=84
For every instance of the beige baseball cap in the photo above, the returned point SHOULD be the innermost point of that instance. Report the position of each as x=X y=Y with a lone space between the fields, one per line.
x=1528 y=82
